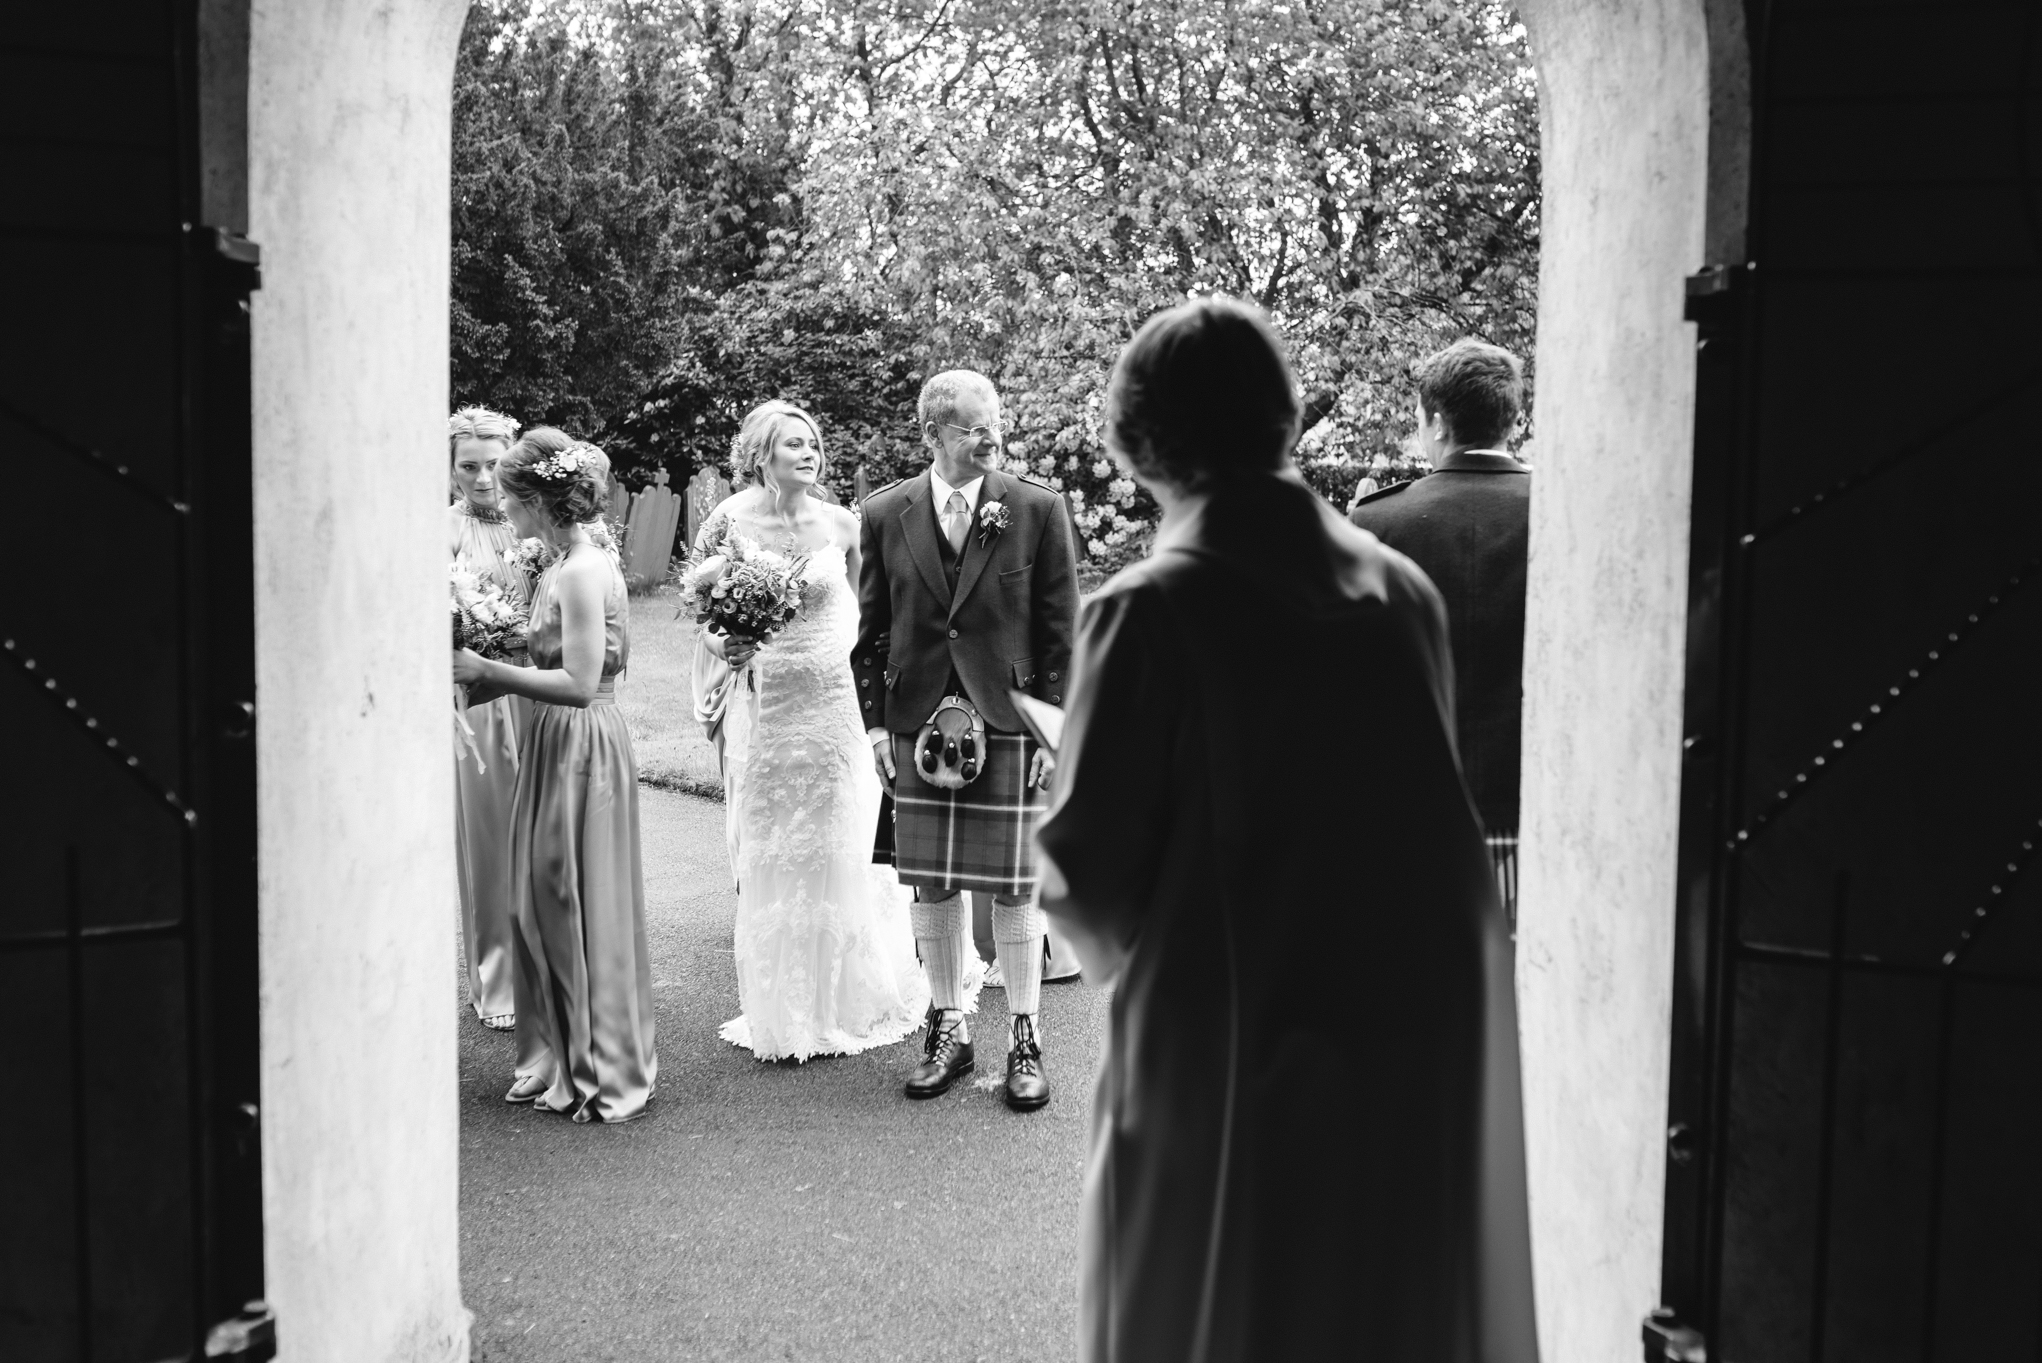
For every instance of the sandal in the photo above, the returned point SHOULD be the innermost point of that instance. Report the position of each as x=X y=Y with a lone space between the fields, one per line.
x=526 y=1088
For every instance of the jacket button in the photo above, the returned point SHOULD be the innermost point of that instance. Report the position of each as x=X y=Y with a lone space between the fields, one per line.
x=864 y=662
x=865 y=682
x=953 y=634
x=868 y=705
x=1052 y=676
x=1056 y=700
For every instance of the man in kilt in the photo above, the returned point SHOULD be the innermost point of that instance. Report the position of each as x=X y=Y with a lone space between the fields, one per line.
x=968 y=588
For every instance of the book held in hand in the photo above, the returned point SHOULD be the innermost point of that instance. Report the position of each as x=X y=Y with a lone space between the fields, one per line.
x=1044 y=721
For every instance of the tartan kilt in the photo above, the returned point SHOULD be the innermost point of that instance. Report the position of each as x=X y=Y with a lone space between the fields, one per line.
x=979 y=838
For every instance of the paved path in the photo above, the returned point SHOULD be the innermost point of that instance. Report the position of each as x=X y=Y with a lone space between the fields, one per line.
x=772 y=1211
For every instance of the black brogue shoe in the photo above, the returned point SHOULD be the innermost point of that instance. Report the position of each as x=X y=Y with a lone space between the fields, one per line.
x=947 y=1058
x=1027 y=1083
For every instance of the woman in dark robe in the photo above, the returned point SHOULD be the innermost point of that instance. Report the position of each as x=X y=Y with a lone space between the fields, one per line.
x=1308 y=1140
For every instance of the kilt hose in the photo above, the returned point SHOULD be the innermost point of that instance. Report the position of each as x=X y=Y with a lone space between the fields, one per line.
x=978 y=838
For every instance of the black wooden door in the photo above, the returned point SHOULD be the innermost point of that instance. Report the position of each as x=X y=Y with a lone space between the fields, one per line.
x=130 y=1196
x=1853 y=1164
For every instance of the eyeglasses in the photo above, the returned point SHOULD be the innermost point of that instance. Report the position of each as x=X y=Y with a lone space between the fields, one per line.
x=978 y=433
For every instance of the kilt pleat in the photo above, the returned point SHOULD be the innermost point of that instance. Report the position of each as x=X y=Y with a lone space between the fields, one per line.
x=978 y=838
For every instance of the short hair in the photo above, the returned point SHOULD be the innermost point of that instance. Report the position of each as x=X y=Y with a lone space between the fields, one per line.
x=1477 y=387
x=1203 y=390
x=757 y=433
x=478 y=423
x=572 y=499
x=940 y=394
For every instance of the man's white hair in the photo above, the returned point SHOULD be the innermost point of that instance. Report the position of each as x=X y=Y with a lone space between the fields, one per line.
x=940 y=394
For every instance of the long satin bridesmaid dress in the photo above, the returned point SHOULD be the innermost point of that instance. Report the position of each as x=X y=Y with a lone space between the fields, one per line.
x=482 y=799
x=584 y=978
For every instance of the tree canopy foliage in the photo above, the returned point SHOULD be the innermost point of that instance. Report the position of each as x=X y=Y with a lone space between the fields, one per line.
x=669 y=210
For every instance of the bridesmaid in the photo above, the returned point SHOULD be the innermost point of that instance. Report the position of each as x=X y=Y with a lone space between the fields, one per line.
x=478 y=532
x=584 y=982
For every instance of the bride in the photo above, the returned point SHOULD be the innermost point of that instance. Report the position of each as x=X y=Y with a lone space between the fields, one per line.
x=825 y=955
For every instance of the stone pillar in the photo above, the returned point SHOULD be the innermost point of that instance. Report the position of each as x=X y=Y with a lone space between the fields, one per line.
x=1624 y=108
x=349 y=117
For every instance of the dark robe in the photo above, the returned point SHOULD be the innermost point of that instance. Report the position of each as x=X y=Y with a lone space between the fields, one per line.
x=1307 y=1132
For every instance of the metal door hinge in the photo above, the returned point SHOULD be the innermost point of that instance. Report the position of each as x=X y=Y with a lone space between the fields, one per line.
x=250 y=1337
x=236 y=254
x=1710 y=291
x=1668 y=1341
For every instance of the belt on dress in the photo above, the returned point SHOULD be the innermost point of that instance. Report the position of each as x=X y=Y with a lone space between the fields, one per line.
x=606 y=694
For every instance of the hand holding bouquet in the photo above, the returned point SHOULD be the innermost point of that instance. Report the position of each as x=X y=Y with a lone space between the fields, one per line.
x=486 y=621
x=738 y=589
x=493 y=626
x=484 y=618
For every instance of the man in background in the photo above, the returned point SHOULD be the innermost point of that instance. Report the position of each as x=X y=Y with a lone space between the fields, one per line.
x=1467 y=525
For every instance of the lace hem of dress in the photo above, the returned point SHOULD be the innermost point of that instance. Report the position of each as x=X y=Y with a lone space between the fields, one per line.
x=889 y=1031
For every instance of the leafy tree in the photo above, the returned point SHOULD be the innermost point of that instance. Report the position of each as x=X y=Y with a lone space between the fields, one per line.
x=1028 y=181
x=759 y=198
x=602 y=172
x=854 y=367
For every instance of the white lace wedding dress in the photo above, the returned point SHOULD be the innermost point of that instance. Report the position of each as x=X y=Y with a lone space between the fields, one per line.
x=825 y=954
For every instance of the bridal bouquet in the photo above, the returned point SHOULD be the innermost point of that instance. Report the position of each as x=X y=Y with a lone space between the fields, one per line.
x=484 y=618
x=740 y=589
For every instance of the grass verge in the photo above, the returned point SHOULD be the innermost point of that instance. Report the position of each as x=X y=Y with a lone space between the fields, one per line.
x=656 y=695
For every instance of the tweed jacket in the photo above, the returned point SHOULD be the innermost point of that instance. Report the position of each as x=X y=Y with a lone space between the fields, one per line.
x=1467 y=524
x=999 y=615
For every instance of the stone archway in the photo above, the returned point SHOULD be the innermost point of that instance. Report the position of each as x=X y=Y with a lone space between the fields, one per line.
x=348 y=162
x=1625 y=112
x=347 y=150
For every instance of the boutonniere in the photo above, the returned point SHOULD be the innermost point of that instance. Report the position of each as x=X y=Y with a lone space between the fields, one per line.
x=993 y=517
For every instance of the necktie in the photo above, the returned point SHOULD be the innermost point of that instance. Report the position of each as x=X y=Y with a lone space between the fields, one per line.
x=956 y=522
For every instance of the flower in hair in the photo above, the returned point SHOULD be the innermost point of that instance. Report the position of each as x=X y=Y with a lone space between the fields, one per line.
x=481 y=423
x=569 y=464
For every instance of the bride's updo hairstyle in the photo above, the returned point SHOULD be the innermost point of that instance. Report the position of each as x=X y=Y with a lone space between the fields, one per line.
x=478 y=423
x=561 y=478
x=756 y=435
x=1202 y=391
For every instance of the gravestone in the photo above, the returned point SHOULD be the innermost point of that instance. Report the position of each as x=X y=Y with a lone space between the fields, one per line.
x=649 y=532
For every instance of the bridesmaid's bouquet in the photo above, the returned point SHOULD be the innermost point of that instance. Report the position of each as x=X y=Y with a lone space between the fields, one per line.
x=528 y=558
x=494 y=626
x=737 y=588
x=484 y=618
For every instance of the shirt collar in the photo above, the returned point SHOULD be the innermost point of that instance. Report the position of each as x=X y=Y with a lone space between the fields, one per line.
x=1480 y=461
x=941 y=491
